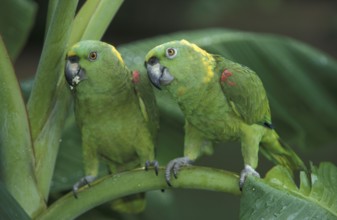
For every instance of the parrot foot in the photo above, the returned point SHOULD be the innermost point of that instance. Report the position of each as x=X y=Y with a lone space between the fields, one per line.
x=175 y=165
x=154 y=163
x=82 y=182
x=248 y=170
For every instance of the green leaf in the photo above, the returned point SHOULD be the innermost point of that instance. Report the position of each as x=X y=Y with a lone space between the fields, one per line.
x=52 y=6
x=9 y=207
x=278 y=197
x=49 y=100
x=16 y=151
x=40 y=102
x=300 y=81
x=135 y=181
x=16 y=20
x=93 y=19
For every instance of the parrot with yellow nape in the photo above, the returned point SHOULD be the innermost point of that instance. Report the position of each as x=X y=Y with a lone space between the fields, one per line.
x=116 y=113
x=221 y=101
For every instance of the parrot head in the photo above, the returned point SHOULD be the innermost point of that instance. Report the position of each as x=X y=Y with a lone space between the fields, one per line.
x=177 y=65
x=89 y=61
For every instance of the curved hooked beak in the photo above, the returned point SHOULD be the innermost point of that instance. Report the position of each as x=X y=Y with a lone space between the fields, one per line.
x=158 y=74
x=73 y=72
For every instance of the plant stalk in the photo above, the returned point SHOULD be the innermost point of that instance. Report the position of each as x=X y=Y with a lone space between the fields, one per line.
x=135 y=181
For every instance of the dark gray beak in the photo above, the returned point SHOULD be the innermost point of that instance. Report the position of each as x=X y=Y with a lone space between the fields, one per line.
x=73 y=72
x=158 y=74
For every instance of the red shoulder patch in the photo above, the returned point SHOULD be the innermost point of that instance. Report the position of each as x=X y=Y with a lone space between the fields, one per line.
x=225 y=75
x=135 y=77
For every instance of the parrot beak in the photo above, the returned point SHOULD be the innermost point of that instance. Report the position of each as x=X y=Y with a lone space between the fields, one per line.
x=73 y=72
x=158 y=74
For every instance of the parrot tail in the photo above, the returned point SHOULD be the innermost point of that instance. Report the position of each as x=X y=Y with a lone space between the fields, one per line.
x=277 y=151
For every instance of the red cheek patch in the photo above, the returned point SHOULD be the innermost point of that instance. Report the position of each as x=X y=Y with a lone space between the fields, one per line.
x=225 y=75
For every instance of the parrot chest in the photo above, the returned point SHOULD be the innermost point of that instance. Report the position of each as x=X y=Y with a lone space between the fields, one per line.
x=114 y=130
x=115 y=141
x=214 y=118
x=214 y=128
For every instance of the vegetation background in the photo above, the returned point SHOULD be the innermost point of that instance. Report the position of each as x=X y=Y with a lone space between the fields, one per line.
x=312 y=22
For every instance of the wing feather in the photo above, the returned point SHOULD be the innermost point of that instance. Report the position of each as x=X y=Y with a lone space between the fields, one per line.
x=244 y=91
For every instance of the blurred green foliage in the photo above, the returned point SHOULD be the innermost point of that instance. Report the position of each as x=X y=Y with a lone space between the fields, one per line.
x=13 y=28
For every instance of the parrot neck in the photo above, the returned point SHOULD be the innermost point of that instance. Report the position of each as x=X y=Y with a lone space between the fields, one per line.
x=113 y=92
x=109 y=106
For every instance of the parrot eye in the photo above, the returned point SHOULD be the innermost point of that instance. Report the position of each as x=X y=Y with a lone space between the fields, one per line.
x=171 y=53
x=92 y=56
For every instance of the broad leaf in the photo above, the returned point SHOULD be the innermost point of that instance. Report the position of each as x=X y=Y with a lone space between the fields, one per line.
x=49 y=99
x=277 y=196
x=16 y=151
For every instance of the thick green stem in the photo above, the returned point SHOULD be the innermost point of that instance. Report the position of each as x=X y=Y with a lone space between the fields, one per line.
x=101 y=18
x=93 y=19
x=131 y=182
x=41 y=102
x=16 y=151
x=52 y=5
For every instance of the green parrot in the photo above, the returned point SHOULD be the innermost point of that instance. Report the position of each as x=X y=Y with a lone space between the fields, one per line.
x=221 y=101
x=115 y=110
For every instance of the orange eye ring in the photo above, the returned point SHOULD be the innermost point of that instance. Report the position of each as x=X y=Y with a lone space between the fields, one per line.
x=171 y=53
x=92 y=56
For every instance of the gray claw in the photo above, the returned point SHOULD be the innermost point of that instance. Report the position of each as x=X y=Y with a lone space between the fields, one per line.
x=82 y=182
x=175 y=165
x=248 y=170
x=154 y=163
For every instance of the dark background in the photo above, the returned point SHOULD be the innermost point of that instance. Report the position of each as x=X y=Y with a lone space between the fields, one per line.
x=311 y=21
